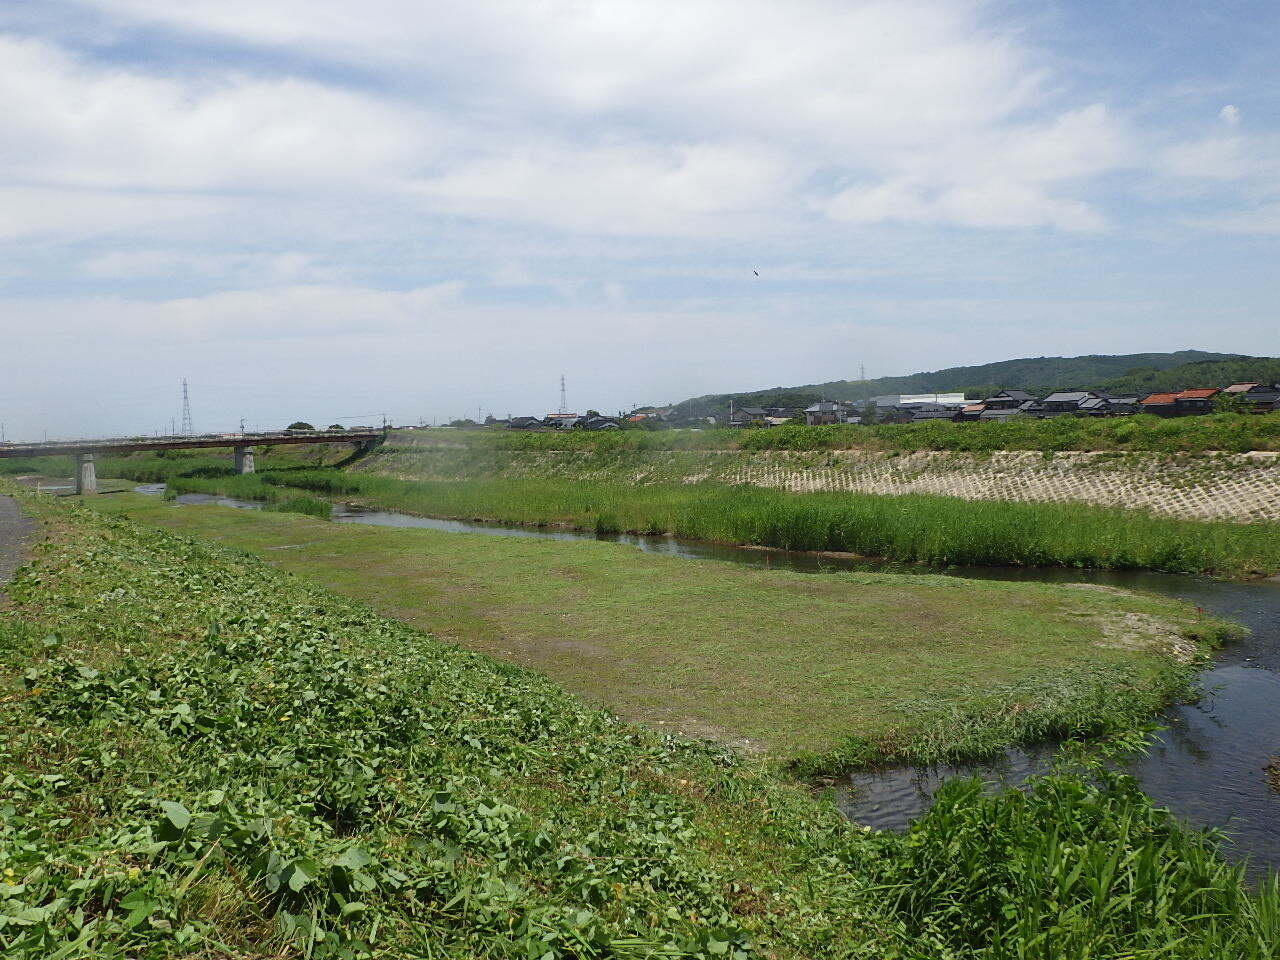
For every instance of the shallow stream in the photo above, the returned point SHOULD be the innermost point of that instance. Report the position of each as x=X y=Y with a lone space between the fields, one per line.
x=1207 y=765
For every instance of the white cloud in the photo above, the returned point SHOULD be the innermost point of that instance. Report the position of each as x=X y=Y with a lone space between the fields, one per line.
x=624 y=117
x=273 y=268
x=95 y=128
x=1230 y=114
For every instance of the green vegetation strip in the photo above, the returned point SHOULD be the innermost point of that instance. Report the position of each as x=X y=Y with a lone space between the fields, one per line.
x=1222 y=432
x=913 y=528
x=827 y=671
x=202 y=757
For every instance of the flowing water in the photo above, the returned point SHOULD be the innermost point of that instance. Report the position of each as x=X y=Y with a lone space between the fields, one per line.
x=1207 y=765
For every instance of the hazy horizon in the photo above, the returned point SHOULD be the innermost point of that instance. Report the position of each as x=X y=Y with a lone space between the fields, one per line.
x=326 y=211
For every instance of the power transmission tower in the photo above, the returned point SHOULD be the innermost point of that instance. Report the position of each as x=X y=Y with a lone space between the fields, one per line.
x=187 y=428
x=564 y=403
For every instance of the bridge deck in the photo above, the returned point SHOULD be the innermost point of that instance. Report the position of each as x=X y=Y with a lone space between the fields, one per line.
x=138 y=444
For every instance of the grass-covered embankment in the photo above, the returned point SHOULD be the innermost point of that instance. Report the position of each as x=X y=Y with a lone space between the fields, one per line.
x=912 y=528
x=1223 y=432
x=202 y=757
x=824 y=671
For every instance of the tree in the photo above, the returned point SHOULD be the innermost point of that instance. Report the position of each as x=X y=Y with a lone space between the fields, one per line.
x=299 y=425
x=1232 y=403
x=336 y=426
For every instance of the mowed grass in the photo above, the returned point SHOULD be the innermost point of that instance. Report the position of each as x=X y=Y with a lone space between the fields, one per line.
x=837 y=668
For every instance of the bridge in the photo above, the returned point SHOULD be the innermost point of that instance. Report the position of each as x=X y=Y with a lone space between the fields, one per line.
x=86 y=451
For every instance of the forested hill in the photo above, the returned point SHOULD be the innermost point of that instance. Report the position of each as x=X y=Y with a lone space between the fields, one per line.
x=1124 y=373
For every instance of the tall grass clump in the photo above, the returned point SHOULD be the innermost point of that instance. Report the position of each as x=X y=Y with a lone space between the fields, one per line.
x=39 y=466
x=310 y=506
x=1077 y=865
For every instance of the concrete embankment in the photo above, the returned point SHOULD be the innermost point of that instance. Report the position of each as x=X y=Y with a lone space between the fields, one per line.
x=1240 y=487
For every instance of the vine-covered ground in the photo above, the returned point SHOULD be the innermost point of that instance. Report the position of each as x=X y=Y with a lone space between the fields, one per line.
x=203 y=757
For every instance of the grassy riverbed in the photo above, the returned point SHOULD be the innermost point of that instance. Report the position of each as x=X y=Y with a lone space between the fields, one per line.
x=204 y=757
x=836 y=669
x=913 y=528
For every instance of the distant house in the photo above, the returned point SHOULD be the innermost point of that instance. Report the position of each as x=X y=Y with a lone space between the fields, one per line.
x=971 y=411
x=1160 y=404
x=830 y=411
x=1031 y=408
x=1192 y=402
x=598 y=423
x=1262 y=396
x=745 y=416
x=1067 y=401
x=1122 y=406
x=1007 y=400
x=1184 y=403
x=946 y=399
x=936 y=412
x=1094 y=407
x=999 y=415
x=525 y=423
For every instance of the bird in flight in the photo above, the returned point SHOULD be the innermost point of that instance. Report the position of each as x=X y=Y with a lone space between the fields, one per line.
x=756 y=272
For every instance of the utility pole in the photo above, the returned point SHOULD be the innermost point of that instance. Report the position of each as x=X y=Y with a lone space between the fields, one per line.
x=187 y=429
x=564 y=403
x=862 y=371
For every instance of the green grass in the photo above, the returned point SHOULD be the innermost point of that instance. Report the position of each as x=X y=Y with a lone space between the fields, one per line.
x=913 y=528
x=204 y=757
x=310 y=506
x=825 y=671
x=1232 y=433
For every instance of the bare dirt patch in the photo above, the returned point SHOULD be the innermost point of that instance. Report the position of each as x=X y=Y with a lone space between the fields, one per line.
x=1143 y=631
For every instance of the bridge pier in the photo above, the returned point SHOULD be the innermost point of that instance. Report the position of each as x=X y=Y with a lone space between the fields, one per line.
x=244 y=459
x=86 y=474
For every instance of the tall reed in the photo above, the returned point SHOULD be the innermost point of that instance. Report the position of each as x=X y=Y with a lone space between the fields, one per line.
x=912 y=528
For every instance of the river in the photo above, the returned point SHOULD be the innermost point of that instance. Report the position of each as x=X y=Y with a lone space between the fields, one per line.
x=1207 y=764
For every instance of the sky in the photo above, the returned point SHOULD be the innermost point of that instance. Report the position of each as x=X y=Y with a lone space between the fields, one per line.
x=331 y=211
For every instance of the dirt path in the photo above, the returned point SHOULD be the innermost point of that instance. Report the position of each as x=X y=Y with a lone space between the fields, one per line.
x=16 y=529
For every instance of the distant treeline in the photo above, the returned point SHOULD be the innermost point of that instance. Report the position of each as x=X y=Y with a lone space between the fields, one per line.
x=1127 y=375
